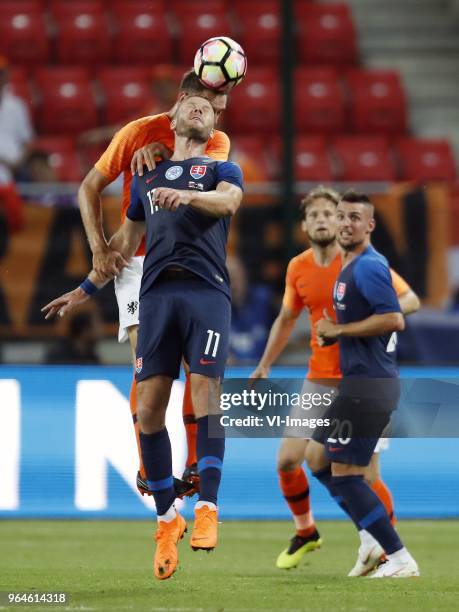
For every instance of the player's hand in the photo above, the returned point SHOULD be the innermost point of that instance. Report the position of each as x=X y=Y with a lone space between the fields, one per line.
x=326 y=330
x=108 y=263
x=259 y=372
x=170 y=199
x=65 y=303
x=145 y=156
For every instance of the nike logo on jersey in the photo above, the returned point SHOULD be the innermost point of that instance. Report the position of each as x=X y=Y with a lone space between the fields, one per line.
x=205 y=362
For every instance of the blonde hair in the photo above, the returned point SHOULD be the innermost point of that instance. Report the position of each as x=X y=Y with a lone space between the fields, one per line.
x=320 y=192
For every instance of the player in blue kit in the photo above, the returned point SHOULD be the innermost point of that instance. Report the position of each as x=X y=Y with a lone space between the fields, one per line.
x=183 y=207
x=368 y=318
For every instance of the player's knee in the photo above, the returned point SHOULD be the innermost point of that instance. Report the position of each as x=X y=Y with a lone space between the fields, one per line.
x=288 y=463
x=205 y=395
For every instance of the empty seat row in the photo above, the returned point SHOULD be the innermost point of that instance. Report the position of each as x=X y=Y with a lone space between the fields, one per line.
x=147 y=31
x=363 y=101
x=344 y=158
x=351 y=158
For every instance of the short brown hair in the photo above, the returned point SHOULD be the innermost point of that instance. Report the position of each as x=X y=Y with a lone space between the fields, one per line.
x=191 y=84
x=320 y=192
x=355 y=197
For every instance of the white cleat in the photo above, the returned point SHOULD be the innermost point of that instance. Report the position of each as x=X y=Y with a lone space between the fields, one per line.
x=393 y=568
x=368 y=558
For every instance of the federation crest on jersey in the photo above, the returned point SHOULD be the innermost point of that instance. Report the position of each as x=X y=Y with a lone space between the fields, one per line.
x=138 y=365
x=174 y=172
x=198 y=172
x=340 y=291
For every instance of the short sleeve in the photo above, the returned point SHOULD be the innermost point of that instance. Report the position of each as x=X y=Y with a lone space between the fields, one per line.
x=291 y=298
x=229 y=172
x=400 y=285
x=374 y=281
x=218 y=146
x=135 y=211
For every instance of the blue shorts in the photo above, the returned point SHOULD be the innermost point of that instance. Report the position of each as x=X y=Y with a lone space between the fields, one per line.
x=355 y=428
x=183 y=318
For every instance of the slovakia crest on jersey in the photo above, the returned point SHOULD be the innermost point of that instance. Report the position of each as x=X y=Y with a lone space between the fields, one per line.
x=340 y=291
x=198 y=172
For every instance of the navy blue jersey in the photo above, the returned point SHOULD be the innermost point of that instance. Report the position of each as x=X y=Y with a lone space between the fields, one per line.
x=363 y=288
x=186 y=238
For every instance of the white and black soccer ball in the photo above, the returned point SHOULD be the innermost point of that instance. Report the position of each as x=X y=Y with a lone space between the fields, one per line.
x=220 y=63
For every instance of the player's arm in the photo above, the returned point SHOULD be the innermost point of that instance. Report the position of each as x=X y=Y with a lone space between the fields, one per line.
x=106 y=261
x=126 y=241
x=279 y=335
x=373 y=280
x=221 y=202
x=408 y=299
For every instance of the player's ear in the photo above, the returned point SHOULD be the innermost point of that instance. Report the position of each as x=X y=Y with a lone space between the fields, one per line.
x=371 y=225
x=304 y=226
x=173 y=124
x=212 y=132
x=182 y=95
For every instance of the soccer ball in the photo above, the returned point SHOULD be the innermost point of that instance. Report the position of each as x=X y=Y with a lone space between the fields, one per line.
x=220 y=63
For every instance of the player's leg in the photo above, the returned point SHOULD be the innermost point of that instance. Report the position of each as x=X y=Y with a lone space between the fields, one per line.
x=127 y=288
x=159 y=352
x=295 y=489
x=190 y=474
x=205 y=324
x=153 y=397
x=374 y=479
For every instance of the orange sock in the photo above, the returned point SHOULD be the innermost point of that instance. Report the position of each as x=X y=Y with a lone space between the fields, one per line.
x=384 y=494
x=133 y=407
x=295 y=489
x=189 y=420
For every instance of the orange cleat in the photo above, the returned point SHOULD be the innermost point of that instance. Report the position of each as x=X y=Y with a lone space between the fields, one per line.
x=204 y=536
x=166 y=556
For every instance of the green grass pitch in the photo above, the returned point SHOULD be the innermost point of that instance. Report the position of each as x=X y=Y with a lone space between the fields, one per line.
x=107 y=566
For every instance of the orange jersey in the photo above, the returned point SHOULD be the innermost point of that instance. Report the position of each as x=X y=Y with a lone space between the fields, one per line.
x=310 y=286
x=117 y=157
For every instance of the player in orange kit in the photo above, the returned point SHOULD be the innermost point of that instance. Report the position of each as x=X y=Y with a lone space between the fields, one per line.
x=136 y=144
x=309 y=284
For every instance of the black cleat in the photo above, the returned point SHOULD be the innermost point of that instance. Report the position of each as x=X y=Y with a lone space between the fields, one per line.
x=191 y=475
x=182 y=488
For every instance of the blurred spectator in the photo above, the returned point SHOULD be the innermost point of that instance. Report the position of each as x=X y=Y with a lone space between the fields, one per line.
x=79 y=347
x=251 y=315
x=36 y=168
x=164 y=87
x=15 y=134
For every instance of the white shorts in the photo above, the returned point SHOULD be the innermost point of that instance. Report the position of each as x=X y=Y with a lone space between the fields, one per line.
x=127 y=289
x=383 y=444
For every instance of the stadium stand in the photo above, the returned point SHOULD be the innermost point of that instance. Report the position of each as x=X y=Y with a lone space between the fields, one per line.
x=364 y=158
x=319 y=101
x=23 y=32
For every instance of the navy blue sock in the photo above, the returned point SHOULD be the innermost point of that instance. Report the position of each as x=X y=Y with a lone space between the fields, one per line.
x=210 y=452
x=325 y=477
x=157 y=459
x=369 y=511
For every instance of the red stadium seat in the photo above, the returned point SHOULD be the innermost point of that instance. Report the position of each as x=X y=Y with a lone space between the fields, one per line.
x=254 y=106
x=128 y=92
x=364 y=158
x=260 y=30
x=20 y=85
x=67 y=100
x=198 y=21
x=63 y=158
x=312 y=162
x=325 y=34
x=142 y=33
x=319 y=101
x=378 y=102
x=426 y=160
x=83 y=32
x=23 y=33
